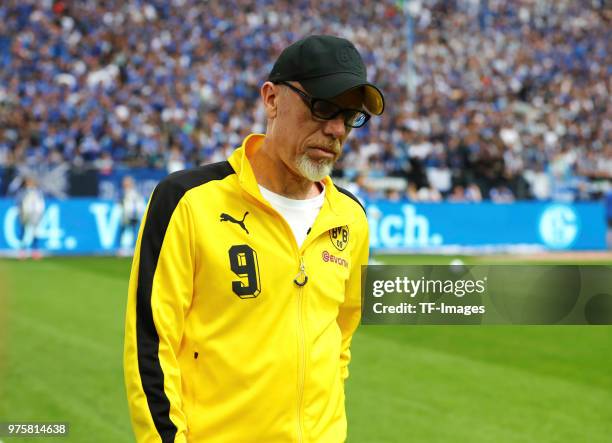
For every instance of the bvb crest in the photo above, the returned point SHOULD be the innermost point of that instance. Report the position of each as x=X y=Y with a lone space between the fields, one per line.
x=339 y=237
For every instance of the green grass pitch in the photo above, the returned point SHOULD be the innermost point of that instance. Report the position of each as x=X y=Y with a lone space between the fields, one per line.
x=61 y=339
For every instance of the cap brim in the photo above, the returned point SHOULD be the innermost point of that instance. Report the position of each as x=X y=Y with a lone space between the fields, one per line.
x=331 y=86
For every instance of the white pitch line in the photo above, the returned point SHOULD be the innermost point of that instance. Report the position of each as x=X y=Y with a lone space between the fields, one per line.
x=50 y=329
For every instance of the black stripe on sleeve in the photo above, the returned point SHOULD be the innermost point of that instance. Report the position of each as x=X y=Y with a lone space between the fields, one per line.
x=164 y=200
x=350 y=195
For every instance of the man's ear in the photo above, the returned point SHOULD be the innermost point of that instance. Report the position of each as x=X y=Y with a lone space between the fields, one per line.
x=269 y=96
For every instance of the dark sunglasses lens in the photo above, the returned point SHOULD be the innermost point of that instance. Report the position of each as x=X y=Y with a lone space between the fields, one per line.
x=324 y=109
x=355 y=119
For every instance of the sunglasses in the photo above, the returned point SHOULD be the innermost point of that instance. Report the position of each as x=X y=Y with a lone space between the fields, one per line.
x=326 y=110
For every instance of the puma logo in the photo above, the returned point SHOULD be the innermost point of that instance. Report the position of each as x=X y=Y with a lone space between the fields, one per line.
x=229 y=218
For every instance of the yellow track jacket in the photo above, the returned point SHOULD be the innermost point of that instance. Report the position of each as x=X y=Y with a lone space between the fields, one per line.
x=233 y=334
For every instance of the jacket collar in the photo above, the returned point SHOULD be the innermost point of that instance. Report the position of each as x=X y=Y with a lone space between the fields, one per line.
x=336 y=210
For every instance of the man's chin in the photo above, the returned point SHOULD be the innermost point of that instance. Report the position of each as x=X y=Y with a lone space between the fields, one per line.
x=314 y=170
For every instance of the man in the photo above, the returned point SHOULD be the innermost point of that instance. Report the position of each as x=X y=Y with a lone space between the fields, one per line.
x=245 y=285
x=31 y=204
x=132 y=208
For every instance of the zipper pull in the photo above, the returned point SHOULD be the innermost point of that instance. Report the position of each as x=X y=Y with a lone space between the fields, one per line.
x=301 y=279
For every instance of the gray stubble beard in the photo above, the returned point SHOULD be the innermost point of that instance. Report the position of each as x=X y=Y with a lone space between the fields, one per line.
x=314 y=170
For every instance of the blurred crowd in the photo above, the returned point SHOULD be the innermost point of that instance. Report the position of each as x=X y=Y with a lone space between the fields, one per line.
x=509 y=99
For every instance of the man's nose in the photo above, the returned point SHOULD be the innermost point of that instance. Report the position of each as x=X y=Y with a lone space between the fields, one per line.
x=335 y=127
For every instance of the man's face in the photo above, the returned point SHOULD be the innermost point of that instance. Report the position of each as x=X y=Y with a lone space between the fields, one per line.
x=128 y=183
x=310 y=146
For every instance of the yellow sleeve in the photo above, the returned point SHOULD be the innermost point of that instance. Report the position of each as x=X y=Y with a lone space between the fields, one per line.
x=350 y=311
x=159 y=295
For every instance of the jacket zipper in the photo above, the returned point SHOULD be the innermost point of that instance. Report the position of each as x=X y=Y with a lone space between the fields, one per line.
x=300 y=280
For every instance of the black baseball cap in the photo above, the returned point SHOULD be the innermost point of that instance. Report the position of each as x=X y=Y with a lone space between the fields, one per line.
x=326 y=66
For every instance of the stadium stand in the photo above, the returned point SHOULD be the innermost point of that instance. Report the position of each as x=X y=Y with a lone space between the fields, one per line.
x=511 y=102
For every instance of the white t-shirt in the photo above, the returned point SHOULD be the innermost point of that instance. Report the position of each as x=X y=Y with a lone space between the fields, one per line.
x=32 y=206
x=299 y=214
